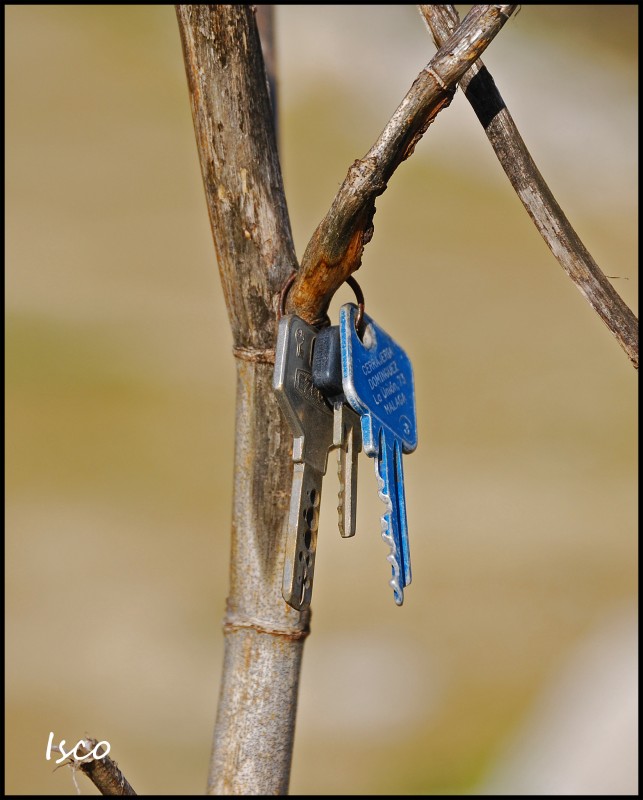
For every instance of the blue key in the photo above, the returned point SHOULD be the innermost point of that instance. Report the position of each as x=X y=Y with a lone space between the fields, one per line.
x=377 y=378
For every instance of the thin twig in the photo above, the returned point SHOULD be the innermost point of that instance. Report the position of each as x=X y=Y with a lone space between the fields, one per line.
x=102 y=772
x=335 y=249
x=535 y=194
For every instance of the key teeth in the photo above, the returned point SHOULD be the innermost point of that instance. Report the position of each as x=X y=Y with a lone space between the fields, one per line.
x=385 y=522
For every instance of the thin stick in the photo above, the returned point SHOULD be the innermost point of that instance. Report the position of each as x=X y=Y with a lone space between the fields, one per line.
x=335 y=249
x=102 y=772
x=535 y=194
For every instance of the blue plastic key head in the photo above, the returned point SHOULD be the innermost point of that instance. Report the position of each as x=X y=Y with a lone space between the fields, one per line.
x=377 y=379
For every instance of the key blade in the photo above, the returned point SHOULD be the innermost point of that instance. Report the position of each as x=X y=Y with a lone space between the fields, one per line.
x=393 y=555
x=301 y=539
x=347 y=437
x=390 y=480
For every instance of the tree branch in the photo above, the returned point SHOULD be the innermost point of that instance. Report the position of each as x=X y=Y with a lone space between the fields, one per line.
x=102 y=772
x=264 y=636
x=547 y=216
x=335 y=249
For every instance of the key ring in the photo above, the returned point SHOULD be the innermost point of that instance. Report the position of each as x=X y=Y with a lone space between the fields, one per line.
x=281 y=311
x=359 y=296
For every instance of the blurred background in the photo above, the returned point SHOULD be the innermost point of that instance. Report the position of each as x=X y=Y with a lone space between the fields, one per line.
x=512 y=666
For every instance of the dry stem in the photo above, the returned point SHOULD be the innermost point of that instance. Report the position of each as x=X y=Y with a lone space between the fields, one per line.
x=535 y=194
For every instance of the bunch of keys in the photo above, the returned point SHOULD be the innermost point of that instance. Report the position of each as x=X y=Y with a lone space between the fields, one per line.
x=337 y=387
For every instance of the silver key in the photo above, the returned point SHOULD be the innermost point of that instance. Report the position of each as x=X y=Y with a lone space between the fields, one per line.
x=312 y=423
x=347 y=436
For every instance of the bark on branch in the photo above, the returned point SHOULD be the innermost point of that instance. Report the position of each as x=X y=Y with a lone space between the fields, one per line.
x=546 y=214
x=335 y=249
x=103 y=772
x=264 y=636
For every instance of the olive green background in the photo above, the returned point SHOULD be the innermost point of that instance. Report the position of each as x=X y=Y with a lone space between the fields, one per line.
x=522 y=494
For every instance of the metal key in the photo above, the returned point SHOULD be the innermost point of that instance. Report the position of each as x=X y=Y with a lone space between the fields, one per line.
x=312 y=422
x=377 y=379
x=347 y=435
